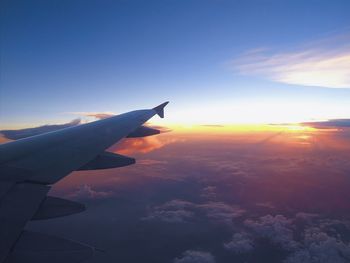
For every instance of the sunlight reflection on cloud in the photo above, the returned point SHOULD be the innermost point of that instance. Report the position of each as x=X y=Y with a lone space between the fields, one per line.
x=141 y=145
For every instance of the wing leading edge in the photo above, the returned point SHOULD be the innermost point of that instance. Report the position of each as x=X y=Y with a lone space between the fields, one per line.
x=28 y=166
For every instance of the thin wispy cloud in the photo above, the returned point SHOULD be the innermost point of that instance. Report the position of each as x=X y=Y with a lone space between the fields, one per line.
x=325 y=63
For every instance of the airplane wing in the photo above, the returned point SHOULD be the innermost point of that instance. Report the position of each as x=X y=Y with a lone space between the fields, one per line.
x=30 y=165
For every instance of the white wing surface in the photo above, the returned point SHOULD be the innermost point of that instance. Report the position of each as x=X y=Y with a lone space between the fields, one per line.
x=30 y=165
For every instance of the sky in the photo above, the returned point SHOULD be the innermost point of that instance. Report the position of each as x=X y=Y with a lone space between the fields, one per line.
x=252 y=163
x=217 y=62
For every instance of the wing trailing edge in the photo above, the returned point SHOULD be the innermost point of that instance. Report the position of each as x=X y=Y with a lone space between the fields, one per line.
x=107 y=160
x=143 y=131
x=53 y=207
x=34 y=247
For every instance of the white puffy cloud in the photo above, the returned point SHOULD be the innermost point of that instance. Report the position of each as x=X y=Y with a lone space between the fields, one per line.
x=174 y=211
x=278 y=229
x=319 y=247
x=305 y=217
x=86 y=192
x=221 y=212
x=183 y=211
x=240 y=243
x=314 y=245
x=191 y=256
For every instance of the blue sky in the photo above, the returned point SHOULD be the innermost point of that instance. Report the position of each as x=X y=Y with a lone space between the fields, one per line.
x=216 y=61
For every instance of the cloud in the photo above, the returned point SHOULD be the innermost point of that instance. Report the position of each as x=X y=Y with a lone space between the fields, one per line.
x=24 y=133
x=319 y=247
x=185 y=211
x=86 y=192
x=240 y=243
x=329 y=124
x=278 y=229
x=174 y=211
x=176 y=216
x=307 y=237
x=162 y=129
x=192 y=256
x=3 y=138
x=322 y=64
x=140 y=145
x=221 y=212
x=151 y=162
x=209 y=192
x=96 y=115
x=307 y=187
x=305 y=217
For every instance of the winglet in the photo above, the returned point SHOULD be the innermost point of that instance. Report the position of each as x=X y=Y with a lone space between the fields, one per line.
x=160 y=109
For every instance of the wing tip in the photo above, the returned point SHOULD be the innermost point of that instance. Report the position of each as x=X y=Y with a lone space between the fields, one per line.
x=160 y=109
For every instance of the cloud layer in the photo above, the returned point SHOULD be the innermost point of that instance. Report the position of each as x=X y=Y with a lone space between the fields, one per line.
x=237 y=198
